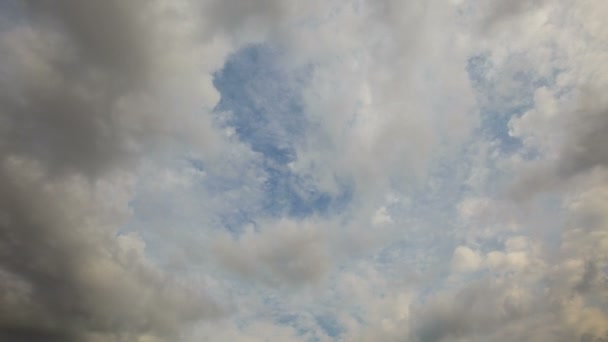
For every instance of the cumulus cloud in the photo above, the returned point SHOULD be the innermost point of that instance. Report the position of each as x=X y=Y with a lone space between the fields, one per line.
x=465 y=259
x=92 y=86
x=65 y=274
x=381 y=120
x=88 y=89
x=283 y=253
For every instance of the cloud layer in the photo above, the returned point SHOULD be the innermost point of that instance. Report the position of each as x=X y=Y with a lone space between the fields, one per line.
x=392 y=170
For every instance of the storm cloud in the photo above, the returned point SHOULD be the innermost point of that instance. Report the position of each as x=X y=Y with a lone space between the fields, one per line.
x=79 y=108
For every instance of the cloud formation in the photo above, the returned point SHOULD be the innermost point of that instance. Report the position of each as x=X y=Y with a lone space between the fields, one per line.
x=394 y=170
x=86 y=94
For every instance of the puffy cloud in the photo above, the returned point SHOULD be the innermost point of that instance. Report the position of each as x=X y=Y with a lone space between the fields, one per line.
x=93 y=86
x=381 y=120
x=465 y=260
x=283 y=253
x=88 y=89
x=67 y=276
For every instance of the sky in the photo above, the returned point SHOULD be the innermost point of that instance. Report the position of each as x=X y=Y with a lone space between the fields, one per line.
x=265 y=170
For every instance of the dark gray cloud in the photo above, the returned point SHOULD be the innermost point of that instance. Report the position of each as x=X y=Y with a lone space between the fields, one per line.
x=581 y=151
x=114 y=36
x=585 y=147
x=474 y=311
x=88 y=87
x=70 y=72
x=78 y=107
x=65 y=273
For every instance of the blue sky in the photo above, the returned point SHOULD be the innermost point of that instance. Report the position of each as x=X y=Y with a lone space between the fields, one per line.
x=263 y=104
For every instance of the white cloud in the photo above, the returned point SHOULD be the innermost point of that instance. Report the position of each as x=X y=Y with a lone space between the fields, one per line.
x=465 y=260
x=381 y=217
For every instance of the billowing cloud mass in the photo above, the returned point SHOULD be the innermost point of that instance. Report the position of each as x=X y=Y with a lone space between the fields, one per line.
x=391 y=170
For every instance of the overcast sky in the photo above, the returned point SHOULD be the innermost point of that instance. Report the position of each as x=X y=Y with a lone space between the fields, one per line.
x=285 y=170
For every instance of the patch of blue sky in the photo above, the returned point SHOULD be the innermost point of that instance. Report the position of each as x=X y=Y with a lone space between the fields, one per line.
x=431 y=204
x=301 y=322
x=231 y=188
x=261 y=100
x=503 y=93
x=311 y=321
x=330 y=325
x=431 y=229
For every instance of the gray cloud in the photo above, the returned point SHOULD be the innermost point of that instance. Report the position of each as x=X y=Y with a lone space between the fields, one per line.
x=504 y=310
x=88 y=86
x=66 y=275
x=496 y=13
x=85 y=90
x=109 y=35
x=68 y=73
x=285 y=253
x=581 y=151
x=585 y=148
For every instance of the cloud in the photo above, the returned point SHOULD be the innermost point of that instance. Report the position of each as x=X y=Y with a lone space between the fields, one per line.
x=95 y=86
x=535 y=288
x=285 y=253
x=465 y=260
x=496 y=13
x=88 y=89
x=578 y=147
x=70 y=277
x=394 y=170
